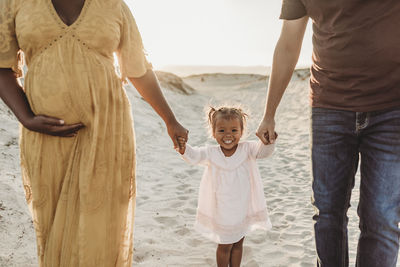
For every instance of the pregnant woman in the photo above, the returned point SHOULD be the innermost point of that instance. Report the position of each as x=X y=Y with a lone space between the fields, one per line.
x=77 y=143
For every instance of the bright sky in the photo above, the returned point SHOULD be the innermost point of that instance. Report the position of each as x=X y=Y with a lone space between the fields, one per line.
x=212 y=32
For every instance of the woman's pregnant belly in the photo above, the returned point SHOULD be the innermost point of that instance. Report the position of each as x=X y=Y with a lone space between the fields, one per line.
x=73 y=89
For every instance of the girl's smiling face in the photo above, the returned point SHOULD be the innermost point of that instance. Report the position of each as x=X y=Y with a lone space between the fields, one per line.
x=227 y=132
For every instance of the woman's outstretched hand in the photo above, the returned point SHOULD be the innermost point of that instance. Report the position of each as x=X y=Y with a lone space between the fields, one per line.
x=52 y=126
x=266 y=131
x=179 y=136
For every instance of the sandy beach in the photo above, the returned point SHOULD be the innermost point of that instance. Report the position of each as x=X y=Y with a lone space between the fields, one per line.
x=167 y=186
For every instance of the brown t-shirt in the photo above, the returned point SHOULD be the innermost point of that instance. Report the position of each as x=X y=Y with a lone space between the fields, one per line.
x=356 y=54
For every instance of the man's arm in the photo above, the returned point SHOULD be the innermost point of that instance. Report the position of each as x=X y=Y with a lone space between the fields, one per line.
x=286 y=54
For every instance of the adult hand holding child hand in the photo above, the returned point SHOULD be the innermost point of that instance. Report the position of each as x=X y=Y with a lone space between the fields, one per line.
x=182 y=145
x=179 y=136
x=266 y=131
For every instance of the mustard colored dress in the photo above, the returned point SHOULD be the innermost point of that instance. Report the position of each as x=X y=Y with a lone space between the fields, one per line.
x=81 y=190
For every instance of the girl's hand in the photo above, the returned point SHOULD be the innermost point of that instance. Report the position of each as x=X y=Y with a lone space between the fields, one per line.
x=182 y=145
x=178 y=132
x=266 y=131
x=52 y=126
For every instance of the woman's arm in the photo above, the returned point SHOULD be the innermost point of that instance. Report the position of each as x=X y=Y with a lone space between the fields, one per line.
x=149 y=88
x=13 y=95
x=286 y=54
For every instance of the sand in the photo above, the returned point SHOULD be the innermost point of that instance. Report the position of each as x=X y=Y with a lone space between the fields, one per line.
x=168 y=187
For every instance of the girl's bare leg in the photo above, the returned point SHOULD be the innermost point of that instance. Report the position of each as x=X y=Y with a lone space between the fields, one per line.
x=236 y=253
x=224 y=254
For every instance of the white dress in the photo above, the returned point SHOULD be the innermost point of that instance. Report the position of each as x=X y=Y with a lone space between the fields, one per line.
x=231 y=196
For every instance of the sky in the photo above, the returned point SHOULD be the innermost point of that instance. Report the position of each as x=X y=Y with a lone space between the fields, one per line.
x=212 y=32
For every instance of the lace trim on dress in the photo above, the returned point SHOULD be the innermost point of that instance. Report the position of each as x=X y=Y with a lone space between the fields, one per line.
x=260 y=218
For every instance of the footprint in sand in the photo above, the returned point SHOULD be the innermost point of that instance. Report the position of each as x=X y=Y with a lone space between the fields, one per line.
x=169 y=221
x=291 y=248
x=252 y=263
x=259 y=239
x=290 y=218
x=190 y=211
x=183 y=231
x=177 y=204
x=307 y=263
x=140 y=257
x=182 y=187
x=190 y=191
x=193 y=242
x=149 y=241
x=179 y=176
x=183 y=198
x=248 y=251
x=191 y=171
x=306 y=234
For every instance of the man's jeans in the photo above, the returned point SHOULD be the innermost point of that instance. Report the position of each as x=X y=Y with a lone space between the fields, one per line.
x=339 y=139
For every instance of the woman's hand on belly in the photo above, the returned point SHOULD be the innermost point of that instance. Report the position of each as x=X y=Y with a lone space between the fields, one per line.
x=52 y=126
x=14 y=96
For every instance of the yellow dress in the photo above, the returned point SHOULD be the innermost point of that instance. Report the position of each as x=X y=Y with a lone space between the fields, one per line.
x=81 y=190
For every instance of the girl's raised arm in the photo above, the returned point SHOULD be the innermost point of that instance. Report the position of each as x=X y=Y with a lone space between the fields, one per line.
x=195 y=155
x=259 y=151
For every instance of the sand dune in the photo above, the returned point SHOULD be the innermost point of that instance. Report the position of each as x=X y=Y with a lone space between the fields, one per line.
x=174 y=83
x=167 y=186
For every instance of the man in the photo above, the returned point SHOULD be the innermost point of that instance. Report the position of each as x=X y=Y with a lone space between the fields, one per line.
x=355 y=99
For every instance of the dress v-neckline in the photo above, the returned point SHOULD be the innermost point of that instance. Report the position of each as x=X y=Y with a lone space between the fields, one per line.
x=60 y=20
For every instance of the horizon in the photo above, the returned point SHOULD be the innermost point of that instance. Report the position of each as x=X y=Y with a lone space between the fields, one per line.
x=187 y=70
x=212 y=32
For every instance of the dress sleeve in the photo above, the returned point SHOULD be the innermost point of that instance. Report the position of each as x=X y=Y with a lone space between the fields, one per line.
x=10 y=54
x=259 y=151
x=292 y=9
x=195 y=155
x=131 y=56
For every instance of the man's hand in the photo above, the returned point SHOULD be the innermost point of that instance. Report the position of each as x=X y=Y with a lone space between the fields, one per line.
x=266 y=131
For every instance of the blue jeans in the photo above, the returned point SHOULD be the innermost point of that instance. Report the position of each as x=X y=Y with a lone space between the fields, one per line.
x=339 y=140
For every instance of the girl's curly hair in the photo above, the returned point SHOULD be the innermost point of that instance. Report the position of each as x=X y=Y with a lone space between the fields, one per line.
x=226 y=113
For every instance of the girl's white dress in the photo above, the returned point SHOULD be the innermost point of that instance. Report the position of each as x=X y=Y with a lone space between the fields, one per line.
x=231 y=196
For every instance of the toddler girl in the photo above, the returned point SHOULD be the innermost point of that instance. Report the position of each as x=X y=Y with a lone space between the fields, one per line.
x=231 y=197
